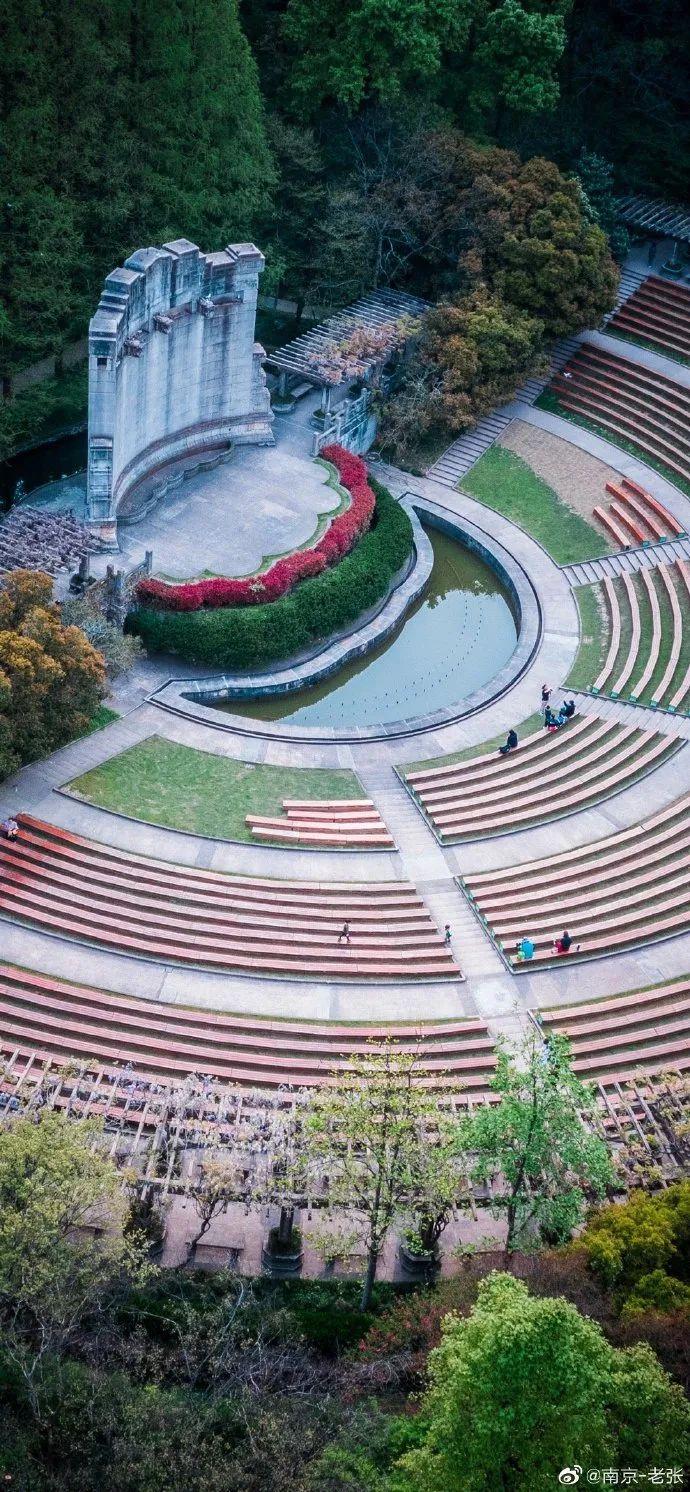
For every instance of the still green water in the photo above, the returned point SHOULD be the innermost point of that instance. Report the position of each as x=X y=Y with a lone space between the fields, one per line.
x=459 y=634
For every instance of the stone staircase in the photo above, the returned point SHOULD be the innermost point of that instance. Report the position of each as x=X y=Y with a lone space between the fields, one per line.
x=462 y=454
x=589 y=572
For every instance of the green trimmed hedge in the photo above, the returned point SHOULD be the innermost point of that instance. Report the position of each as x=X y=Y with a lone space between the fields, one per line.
x=251 y=636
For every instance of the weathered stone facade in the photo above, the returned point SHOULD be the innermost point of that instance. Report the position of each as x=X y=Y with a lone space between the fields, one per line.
x=175 y=376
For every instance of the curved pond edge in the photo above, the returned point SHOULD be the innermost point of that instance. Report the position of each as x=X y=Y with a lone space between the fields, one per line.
x=186 y=696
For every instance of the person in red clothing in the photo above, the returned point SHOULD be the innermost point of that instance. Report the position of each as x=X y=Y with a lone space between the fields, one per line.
x=564 y=943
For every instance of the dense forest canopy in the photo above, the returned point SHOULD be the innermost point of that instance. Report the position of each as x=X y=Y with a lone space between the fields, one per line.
x=129 y=123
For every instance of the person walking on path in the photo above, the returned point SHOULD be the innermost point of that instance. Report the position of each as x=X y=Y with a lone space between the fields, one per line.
x=510 y=744
x=344 y=934
x=447 y=936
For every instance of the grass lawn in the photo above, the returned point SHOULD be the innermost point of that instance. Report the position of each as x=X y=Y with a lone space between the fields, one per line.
x=525 y=728
x=103 y=716
x=504 y=482
x=549 y=401
x=181 y=788
x=594 y=637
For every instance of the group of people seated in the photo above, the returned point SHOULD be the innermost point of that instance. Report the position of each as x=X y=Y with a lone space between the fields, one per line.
x=551 y=721
x=525 y=948
x=566 y=712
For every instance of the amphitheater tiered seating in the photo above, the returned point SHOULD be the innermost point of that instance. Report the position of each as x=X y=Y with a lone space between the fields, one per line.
x=616 y=893
x=353 y=824
x=645 y=408
x=57 y=1021
x=657 y=312
x=649 y=617
x=648 y=519
x=546 y=777
x=648 y=1030
x=72 y=886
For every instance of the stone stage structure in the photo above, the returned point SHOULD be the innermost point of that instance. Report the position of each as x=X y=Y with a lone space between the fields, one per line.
x=175 y=376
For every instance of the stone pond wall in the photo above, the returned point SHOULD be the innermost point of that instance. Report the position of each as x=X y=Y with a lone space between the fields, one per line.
x=175 y=376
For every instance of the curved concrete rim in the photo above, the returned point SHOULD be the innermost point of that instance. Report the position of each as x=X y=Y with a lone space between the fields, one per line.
x=185 y=696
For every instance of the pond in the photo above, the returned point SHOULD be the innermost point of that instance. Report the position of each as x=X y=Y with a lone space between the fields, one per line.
x=47 y=463
x=455 y=638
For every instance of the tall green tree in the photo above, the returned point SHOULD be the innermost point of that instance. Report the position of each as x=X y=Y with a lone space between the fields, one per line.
x=120 y=125
x=369 y=50
x=516 y=59
x=39 y=238
x=371 y=1135
x=525 y=1387
x=527 y=231
x=533 y=1145
x=53 y=1185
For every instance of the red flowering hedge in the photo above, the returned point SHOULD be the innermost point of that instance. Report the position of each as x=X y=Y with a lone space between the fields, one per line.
x=253 y=590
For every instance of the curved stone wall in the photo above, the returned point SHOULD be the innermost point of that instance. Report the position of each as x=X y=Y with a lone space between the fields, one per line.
x=175 y=376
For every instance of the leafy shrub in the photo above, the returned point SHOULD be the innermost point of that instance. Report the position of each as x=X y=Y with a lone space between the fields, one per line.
x=644 y=1235
x=657 y=1291
x=254 y=590
x=251 y=636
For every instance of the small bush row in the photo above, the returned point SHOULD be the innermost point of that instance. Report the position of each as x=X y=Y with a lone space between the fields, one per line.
x=249 y=637
x=282 y=577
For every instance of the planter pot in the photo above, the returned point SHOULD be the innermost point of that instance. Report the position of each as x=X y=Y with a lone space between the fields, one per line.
x=281 y=1266
x=418 y=1266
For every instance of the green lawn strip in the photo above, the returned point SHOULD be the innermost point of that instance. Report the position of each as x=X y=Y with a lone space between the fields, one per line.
x=626 y=633
x=103 y=716
x=660 y=347
x=503 y=481
x=178 y=787
x=595 y=637
x=526 y=728
x=645 y=634
x=549 y=401
x=666 y=615
x=684 y=655
x=599 y=795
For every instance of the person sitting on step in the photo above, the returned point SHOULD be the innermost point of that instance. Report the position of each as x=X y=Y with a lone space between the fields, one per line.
x=564 y=943
x=524 y=950
x=510 y=743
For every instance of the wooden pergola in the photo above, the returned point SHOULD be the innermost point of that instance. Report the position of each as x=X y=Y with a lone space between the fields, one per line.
x=306 y=358
x=163 y=1130
x=664 y=219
